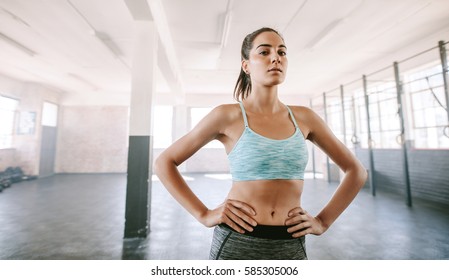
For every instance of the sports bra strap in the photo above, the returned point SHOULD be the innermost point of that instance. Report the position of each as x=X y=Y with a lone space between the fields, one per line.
x=292 y=116
x=244 y=114
x=245 y=119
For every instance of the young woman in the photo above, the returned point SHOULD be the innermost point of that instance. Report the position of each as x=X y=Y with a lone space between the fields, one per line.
x=262 y=217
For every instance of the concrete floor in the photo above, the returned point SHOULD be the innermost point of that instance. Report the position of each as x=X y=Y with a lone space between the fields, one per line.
x=82 y=217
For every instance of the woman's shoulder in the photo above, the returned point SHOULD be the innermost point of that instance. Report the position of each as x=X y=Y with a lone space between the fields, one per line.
x=224 y=116
x=301 y=111
x=227 y=107
x=227 y=111
x=307 y=116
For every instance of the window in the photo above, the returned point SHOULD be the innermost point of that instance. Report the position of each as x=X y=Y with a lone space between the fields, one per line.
x=429 y=120
x=196 y=115
x=50 y=114
x=349 y=118
x=7 y=116
x=384 y=117
x=361 y=123
x=335 y=116
x=163 y=119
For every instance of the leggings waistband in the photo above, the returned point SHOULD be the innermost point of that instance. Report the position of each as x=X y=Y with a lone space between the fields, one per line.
x=266 y=231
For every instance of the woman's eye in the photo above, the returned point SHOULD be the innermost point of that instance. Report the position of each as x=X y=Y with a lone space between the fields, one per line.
x=263 y=52
x=282 y=53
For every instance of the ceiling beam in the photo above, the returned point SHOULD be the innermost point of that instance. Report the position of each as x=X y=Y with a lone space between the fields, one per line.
x=167 y=56
x=152 y=10
x=139 y=9
x=17 y=45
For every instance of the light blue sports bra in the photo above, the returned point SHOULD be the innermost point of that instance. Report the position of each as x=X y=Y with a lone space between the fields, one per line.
x=255 y=157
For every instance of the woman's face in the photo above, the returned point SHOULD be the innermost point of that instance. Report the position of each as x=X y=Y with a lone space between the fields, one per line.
x=267 y=63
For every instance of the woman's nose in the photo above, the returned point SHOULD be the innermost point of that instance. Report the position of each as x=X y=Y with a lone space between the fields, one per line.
x=275 y=58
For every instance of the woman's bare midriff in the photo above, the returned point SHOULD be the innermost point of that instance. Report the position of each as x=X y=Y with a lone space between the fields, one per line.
x=271 y=199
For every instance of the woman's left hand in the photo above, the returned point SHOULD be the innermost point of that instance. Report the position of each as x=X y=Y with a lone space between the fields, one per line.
x=303 y=223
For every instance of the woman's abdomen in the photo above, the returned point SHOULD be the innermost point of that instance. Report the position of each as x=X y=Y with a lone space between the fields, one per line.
x=271 y=199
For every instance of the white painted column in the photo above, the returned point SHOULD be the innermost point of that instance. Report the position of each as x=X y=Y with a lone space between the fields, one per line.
x=138 y=190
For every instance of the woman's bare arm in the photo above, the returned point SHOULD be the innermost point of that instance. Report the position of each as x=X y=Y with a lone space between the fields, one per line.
x=234 y=213
x=355 y=176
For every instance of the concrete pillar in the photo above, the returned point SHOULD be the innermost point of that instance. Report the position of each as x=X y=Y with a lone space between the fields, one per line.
x=138 y=188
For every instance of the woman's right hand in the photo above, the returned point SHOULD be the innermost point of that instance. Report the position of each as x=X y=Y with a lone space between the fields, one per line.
x=234 y=213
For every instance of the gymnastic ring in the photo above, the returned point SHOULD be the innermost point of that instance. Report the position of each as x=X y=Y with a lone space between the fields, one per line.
x=400 y=139
x=355 y=139
x=371 y=143
x=446 y=131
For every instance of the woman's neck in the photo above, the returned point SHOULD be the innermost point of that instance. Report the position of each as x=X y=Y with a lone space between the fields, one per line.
x=263 y=100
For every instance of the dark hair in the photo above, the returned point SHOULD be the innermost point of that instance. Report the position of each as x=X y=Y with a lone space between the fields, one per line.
x=243 y=86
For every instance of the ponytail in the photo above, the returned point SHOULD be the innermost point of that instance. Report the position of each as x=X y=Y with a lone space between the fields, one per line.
x=243 y=86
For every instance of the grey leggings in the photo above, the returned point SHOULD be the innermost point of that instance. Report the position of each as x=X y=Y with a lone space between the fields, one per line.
x=228 y=244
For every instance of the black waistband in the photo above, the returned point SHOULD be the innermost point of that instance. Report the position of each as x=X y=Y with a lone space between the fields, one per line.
x=268 y=232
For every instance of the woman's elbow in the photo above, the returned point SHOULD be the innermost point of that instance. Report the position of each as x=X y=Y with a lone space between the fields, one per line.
x=357 y=172
x=162 y=164
x=159 y=164
x=362 y=174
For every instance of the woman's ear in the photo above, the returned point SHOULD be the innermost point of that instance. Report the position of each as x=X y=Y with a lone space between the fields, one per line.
x=245 y=67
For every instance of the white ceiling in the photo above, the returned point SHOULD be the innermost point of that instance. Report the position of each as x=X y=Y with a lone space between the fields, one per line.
x=87 y=45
